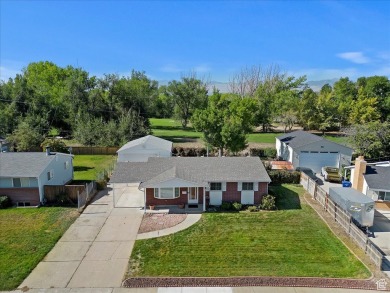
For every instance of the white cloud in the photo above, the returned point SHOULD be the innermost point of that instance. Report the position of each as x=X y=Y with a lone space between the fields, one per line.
x=202 y=68
x=170 y=68
x=355 y=57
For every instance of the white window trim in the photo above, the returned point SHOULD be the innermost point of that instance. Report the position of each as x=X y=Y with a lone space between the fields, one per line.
x=173 y=193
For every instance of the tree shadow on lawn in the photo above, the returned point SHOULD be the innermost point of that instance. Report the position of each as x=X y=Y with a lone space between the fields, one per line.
x=179 y=139
x=286 y=199
x=81 y=168
x=173 y=128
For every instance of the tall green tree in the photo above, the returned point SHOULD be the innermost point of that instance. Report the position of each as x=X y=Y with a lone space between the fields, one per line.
x=371 y=139
x=226 y=121
x=189 y=94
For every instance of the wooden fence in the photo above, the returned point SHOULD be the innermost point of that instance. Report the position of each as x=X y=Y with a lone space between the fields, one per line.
x=343 y=218
x=94 y=150
x=53 y=191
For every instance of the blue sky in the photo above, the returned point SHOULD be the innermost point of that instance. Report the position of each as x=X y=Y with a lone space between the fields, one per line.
x=166 y=39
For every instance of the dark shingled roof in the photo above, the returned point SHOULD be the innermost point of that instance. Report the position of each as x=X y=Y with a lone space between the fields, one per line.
x=299 y=138
x=378 y=177
x=197 y=169
x=23 y=164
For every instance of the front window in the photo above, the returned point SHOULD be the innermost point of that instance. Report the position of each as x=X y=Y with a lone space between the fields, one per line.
x=247 y=186
x=166 y=193
x=215 y=186
x=384 y=195
x=16 y=182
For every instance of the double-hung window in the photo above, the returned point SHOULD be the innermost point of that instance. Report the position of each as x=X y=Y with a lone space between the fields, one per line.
x=215 y=186
x=247 y=186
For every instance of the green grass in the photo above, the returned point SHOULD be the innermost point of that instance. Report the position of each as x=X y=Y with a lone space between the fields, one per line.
x=292 y=241
x=26 y=236
x=338 y=139
x=263 y=137
x=87 y=167
x=172 y=130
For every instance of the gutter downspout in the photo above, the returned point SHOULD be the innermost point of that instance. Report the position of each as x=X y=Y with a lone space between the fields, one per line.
x=40 y=191
x=144 y=197
x=204 y=198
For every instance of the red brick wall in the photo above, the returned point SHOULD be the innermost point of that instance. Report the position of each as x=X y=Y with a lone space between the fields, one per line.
x=30 y=195
x=231 y=193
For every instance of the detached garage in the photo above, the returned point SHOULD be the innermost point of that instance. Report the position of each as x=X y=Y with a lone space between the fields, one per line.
x=141 y=149
x=304 y=149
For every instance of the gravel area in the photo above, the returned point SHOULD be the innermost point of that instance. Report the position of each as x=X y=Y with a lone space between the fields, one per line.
x=250 y=281
x=156 y=221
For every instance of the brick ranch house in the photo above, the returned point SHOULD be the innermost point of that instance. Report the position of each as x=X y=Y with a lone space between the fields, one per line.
x=196 y=181
x=24 y=175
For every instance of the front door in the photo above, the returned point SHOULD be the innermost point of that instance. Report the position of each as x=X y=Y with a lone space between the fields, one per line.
x=192 y=195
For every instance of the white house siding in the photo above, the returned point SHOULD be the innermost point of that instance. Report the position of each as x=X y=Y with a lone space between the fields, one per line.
x=61 y=175
x=343 y=154
x=278 y=148
x=141 y=155
x=283 y=151
x=365 y=186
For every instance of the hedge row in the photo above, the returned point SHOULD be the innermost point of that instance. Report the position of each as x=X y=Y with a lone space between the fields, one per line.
x=198 y=152
x=283 y=176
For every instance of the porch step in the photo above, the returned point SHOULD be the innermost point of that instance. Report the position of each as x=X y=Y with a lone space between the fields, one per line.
x=190 y=209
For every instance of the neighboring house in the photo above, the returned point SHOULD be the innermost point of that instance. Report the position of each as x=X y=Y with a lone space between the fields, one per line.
x=372 y=179
x=141 y=149
x=24 y=175
x=197 y=180
x=304 y=149
x=4 y=145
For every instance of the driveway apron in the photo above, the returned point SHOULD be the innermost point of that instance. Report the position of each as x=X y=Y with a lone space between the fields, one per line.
x=94 y=251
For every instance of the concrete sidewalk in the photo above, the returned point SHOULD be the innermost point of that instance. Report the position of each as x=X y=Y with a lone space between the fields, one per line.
x=190 y=220
x=94 y=252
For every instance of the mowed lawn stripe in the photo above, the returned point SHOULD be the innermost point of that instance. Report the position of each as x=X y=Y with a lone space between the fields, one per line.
x=292 y=242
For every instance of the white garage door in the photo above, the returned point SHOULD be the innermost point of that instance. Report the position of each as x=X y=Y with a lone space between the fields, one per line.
x=247 y=197
x=316 y=161
x=215 y=198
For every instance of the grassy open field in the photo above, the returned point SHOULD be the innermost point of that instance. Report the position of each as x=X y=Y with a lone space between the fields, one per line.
x=292 y=241
x=26 y=236
x=172 y=130
x=86 y=167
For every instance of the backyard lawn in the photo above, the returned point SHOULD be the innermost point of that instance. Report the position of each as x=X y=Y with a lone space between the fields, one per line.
x=26 y=236
x=87 y=167
x=292 y=241
x=172 y=130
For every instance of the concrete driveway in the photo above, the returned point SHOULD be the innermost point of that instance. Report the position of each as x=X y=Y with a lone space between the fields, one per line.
x=95 y=250
x=381 y=235
x=325 y=184
x=127 y=195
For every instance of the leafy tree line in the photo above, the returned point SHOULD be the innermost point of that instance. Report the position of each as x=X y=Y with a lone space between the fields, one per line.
x=112 y=109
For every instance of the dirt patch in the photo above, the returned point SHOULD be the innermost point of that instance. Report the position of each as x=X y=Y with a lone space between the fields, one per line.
x=154 y=222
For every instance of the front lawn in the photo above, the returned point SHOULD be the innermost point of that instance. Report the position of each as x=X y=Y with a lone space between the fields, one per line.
x=26 y=236
x=292 y=241
x=87 y=167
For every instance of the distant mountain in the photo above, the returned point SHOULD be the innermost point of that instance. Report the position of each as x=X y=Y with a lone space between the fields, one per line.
x=316 y=85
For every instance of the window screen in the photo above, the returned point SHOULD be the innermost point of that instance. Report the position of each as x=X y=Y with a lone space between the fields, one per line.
x=216 y=186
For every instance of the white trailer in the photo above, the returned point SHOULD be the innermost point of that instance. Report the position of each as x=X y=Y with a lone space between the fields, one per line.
x=360 y=206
